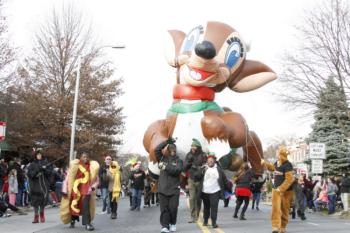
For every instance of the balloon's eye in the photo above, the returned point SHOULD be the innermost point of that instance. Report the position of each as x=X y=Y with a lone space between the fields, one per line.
x=191 y=39
x=234 y=52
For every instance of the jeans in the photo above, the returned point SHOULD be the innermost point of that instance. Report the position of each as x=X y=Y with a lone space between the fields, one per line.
x=136 y=198
x=331 y=203
x=105 y=199
x=256 y=199
x=19 y=197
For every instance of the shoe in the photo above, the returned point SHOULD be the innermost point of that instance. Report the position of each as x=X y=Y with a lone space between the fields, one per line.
x=235 y=216
x=89 y=227
x=164 y=230
x=6 y=215
x=298 y=213
x=257 y=208
x=172 y=228
x=72 y=224
x=138 y=208
x=132 y=208
x=242 y=217
x=192 y=221
x=283 y=230
x=42 y=217
x=113 y=216
x=205 y=224
x=293 y=215
x=36 y=219
x=252 y=207
x=303 y=217
x=275 y=231
x=214 y=225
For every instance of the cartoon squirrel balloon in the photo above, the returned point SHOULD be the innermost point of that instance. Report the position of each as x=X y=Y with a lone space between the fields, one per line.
x=209 y=59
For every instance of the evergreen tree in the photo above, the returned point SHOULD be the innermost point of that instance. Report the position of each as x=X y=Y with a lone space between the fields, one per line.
x=332 y=125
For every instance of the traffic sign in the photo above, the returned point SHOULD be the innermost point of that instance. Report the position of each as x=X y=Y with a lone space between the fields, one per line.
x=317 y=166
x=317 y=151
x=2 y=130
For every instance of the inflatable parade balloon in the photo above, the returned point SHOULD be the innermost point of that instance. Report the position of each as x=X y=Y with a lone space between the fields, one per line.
x=208 y=59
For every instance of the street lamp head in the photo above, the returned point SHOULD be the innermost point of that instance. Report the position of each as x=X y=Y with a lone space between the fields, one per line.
x=118 y=47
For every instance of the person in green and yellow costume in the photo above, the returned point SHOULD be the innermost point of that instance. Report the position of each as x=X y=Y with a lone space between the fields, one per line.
x=114 y=186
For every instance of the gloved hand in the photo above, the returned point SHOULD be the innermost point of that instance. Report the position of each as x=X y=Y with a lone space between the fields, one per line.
x=171 y=140
x=263 y=162
x=162 y=165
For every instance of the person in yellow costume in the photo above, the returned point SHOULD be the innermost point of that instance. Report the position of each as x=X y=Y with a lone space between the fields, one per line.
x=79 y=193
x=282 y=192
x=114 y=186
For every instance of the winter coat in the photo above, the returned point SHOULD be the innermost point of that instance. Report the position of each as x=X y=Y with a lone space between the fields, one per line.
x=138 y=179
x=13 y=184
x=169 y=178
x=245 y=180
x=20 y=175
x=257 y=185
x=222 y=180
x=39 y=173
x=345 y=185
x=104 y=182
x=332 y=189
x=193 y=164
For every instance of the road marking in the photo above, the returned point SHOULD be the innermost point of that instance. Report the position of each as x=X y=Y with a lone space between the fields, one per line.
x=199 y=223
x=311 y=223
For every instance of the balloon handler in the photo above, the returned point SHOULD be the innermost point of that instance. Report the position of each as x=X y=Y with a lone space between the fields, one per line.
x=79 y=192
x=282 y=191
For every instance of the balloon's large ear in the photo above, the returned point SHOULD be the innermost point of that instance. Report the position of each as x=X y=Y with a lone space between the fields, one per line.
x=253 y=75
x=173 y=42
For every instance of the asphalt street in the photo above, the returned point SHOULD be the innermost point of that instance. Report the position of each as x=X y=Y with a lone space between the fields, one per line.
x=147 y=221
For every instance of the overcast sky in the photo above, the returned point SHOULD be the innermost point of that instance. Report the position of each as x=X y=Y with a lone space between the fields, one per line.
x=267 y=25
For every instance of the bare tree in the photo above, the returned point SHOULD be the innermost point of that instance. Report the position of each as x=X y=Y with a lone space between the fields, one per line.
x=7 y=58
x=323 y=50
x=45 y=90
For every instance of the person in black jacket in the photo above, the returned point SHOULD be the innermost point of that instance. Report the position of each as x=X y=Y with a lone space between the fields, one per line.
x=243 y=180
x=39 y=172
x=137 y=178
x=170 y=166
x=256 y=186
x=194 y=160
x=345 y=190
x=214 y=184
x=104 y=181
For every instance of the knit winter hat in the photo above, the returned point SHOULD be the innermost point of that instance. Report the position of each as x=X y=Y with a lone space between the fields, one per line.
x=211 y=155
x=195 y=142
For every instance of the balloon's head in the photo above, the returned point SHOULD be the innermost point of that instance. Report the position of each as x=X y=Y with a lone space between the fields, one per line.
x=214 y=56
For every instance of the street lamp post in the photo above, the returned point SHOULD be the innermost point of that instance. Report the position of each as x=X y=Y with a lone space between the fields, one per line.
x=75 y=105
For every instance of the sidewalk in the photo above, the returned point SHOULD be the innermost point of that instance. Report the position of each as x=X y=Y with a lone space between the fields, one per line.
x=23 y=223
